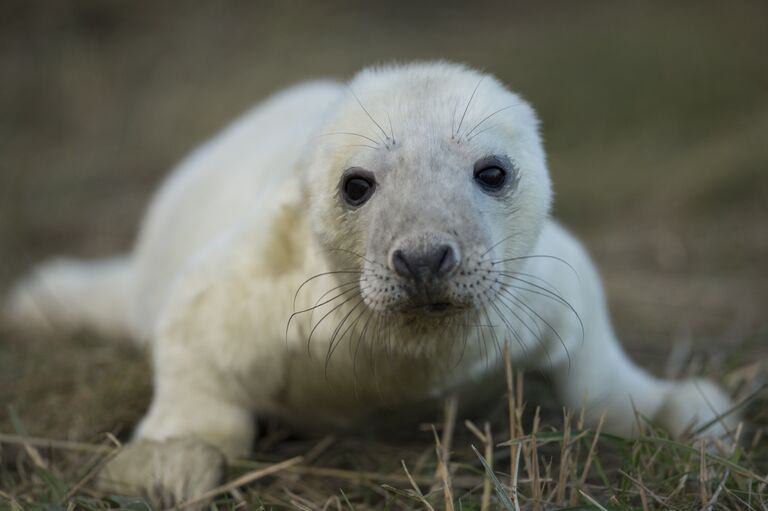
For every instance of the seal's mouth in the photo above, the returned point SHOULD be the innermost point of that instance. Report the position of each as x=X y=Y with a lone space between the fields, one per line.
x=432 y=309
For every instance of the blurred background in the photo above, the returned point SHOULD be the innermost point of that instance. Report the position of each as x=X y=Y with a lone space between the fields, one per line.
x=655 y=117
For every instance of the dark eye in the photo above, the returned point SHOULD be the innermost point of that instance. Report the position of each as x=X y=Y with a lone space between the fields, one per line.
x=493 y=172
x=357 y=186
x=491 y=177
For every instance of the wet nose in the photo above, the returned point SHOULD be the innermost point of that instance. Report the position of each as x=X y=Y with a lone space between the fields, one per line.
x=425 y=263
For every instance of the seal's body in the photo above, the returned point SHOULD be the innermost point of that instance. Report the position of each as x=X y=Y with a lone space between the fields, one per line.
x=340 y=250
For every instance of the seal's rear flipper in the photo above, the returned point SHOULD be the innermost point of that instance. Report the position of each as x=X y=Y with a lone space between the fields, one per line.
x=63 y=295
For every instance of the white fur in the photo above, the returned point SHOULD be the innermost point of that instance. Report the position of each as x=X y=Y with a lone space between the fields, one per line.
x=67 y=294
x=212 y=282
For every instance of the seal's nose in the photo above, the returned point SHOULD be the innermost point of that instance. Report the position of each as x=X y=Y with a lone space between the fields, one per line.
x=433 y=261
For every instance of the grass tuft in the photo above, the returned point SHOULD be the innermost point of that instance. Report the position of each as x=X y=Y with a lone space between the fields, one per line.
x=559 y=464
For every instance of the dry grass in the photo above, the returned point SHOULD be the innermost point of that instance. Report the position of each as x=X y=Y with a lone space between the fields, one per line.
x=655 y=118
x=554 y=466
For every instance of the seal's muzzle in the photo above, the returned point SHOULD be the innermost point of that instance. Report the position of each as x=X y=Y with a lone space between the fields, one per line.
x=424 y=264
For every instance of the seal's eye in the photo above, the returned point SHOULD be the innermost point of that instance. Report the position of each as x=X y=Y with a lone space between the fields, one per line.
x=493 y=172
x=357 y=186
x=491 y=177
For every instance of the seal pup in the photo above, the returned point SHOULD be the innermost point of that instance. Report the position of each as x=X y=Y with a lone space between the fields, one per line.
x=345 y=248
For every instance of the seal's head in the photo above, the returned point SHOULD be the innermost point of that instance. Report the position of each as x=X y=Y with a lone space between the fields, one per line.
x=434 y=177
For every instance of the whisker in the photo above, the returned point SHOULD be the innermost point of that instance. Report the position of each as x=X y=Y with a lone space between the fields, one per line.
x=340 y=272
x=368 y=113
x=445 y=325
x=389 y=327
x=484 y=346
x=358 y=288
x=499 y=350
x=351 y=252
x=391 y=131
x=492 y=126
x=544 y=291
x=482 y=256
x=465 y=330
x=538 y=256
x=294 y=314
x=338 y=342
x=350 y=344
x=539 y=336
x=312 y=332
x=351 y=282
x=333 y=343
x=453 y=118
x=533 y=311
x=357 y=348
x=363 y=145
x=493 y=333
x=512 y=274
x=489 y=116
x=372 y=363
x=512 y=330
x=351 y=133
x=504 y=301
x=461 y=121
x=382 y=335
x=547 y=294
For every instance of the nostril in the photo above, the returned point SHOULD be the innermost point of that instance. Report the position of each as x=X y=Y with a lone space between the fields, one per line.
x=446 y=260
x=400 y=264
